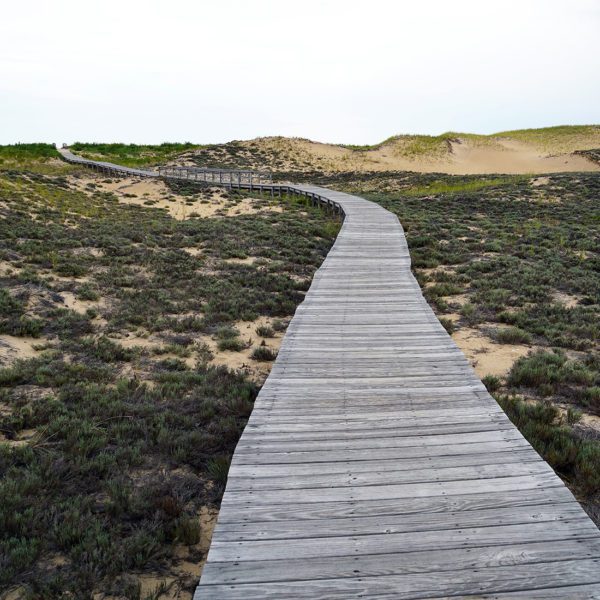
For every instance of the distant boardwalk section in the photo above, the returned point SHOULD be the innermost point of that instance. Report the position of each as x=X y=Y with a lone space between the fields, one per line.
x=375 y=464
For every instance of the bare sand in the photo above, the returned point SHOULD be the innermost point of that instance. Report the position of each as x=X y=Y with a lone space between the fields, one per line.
x=509 y=157
x=240 y=361
x=463 y=157
x=486 y=356
x=460 y=155
x=156 y=194
x=13 y=348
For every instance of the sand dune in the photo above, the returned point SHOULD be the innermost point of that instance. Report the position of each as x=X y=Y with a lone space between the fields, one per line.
x=507 y=157
x=550 y=150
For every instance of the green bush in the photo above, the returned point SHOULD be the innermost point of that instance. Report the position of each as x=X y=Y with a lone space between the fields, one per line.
x=443 y=289
x=512 y=335
x=574 y=458
x=187 y=530
x=448 y=324
x=591 y=397
x=265 y=331
x=491 y=382
x=232 y=344
x=548 y=368
x=263 y=353
x=218 y=469
x=87 y=292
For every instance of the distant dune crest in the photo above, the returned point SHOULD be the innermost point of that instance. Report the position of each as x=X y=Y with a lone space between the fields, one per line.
x=549 y=150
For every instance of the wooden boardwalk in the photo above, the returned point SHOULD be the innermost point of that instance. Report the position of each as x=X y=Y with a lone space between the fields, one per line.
x=376 y=465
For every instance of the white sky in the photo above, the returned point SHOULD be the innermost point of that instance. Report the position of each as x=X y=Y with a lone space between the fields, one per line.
x=333 y=70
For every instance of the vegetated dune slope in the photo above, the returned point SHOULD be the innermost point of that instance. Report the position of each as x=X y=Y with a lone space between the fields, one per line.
x=550 y=150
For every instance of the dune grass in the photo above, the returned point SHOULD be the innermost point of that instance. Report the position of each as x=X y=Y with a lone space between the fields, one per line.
x=291 y=158
x=40 y=158
x=558 y=139
x=457 y=186
x=133 y=155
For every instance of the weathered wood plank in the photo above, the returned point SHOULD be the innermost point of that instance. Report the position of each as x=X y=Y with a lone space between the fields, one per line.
x=309 y=569
x=369 y=525
x=400 y=507
x=473 y=582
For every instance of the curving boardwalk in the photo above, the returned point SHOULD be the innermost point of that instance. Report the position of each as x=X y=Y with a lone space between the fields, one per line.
x=376 y=465
x=105 y=166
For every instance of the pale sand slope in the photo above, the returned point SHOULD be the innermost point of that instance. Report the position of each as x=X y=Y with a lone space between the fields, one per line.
x=527 y=152
x=511 y=157
x=462 y=157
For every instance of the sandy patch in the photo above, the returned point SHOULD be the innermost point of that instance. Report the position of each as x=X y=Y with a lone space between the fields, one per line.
x=159 y=586
x=238 y=361
x=431 y=272
x=590 y=421
x=142 y=341
x=454 y=317
x=140 y=193
x=14 y=593
x=80 y=306
x=13 y=348
x=249 y=206
x=566 y=300
x=6 y=268
x=155 y=193
x=487 y=357
x=456 y=300
x=208 y=520
x=5 y=409
x=249 y=260
x=587 y=423
x=88 y=250
x=539 y=181
x=255 y=370
x=511 y=157
x=193 y=250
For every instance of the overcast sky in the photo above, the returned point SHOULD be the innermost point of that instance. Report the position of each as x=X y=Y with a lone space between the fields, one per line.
x=331 y=70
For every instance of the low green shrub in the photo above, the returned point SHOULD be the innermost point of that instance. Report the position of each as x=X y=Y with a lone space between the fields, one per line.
x=576 y=459
x=232 y=344
x=511 y=335
x=263 y=353
x=265 y=331
x=448 y=324
x=548 y=368
x=492 y=383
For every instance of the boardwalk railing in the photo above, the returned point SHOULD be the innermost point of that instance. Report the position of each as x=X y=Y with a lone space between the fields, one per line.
x=254 y=181
x=222 y=177
x=376 y=465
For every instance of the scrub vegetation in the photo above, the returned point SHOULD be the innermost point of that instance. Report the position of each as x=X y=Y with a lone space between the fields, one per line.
x=117 y=423
x=38 y=158
x=133 y=155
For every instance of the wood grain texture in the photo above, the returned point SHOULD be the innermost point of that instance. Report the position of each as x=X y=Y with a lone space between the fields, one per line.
x=375 y=464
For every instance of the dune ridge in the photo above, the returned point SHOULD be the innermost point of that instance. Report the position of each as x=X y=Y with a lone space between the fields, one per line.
x=550 y=150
